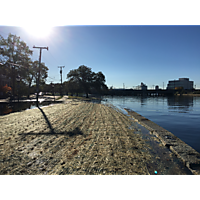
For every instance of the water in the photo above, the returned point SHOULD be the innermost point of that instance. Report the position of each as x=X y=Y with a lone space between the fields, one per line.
x=6 y=108
x=179 y=115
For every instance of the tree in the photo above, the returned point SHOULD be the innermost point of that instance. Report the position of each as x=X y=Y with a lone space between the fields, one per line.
x=86 y=79
x=33 y=74
x=6 y=90
x=47 y=88
x=99 y=82
x=13 y=50
x=73 y=88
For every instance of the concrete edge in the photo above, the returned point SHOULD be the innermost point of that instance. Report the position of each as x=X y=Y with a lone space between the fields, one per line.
x=189 y=156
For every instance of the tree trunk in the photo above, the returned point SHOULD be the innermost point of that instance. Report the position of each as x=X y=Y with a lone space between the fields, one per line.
x=29 y=86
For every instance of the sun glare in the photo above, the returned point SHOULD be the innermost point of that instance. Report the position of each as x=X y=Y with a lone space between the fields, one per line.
x=40 y=31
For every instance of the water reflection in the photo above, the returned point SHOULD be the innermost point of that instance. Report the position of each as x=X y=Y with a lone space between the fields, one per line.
x=6 y=108
x=143 y=100
x=180 y=104
x=175 y=103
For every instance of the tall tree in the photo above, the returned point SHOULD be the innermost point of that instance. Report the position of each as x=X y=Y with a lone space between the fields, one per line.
x=33 y=74
x=86 y=79
x=81 y=76
x=14 y=50
x=99 y=82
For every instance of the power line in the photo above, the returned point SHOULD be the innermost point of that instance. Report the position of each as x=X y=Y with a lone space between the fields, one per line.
x=50 y=62
x=53 y=57
x=51 y=78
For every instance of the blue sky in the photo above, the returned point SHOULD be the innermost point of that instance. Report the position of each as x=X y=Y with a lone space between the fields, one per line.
x=125 y=54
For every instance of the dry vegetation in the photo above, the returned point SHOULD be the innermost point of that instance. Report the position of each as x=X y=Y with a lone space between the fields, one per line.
x=71 y=138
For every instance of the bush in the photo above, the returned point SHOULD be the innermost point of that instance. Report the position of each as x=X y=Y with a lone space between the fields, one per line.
x=6 y=90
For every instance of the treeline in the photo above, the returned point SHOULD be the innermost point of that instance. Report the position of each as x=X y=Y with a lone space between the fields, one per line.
x=81 y=81
x=18 y=67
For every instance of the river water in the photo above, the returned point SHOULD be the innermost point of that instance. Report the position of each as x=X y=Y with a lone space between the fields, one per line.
x=7 y=108
x=178 y=114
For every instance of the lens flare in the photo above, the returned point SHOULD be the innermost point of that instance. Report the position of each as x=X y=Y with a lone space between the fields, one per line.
x=40 y=31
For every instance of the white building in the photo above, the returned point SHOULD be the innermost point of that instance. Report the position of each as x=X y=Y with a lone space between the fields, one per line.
x=182 y=82
x=141 y=87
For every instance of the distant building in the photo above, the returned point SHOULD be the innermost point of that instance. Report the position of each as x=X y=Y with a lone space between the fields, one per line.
x=141 y=87
x=157 y=87
x=182 y=82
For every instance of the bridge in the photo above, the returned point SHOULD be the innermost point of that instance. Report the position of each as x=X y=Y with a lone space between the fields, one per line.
x=154 y=92
x=131 y=92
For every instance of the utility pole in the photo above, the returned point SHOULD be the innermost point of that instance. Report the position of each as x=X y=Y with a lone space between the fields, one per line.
x=61 y=78
x=52 y=88
x=38 y=79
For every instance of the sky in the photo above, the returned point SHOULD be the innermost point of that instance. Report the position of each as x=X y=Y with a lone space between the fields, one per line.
x=126 y=55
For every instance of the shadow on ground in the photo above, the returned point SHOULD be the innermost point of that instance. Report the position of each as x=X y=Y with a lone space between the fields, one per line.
x=75 y=132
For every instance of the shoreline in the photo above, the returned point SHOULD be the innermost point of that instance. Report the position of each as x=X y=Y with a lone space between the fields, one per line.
x=77 y=137
x=193 y=95
x=189 y=156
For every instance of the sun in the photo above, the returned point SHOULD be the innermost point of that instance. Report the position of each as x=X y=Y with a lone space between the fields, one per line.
x=39 y=31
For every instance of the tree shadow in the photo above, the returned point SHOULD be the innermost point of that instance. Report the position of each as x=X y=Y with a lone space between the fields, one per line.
x=75 y=132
